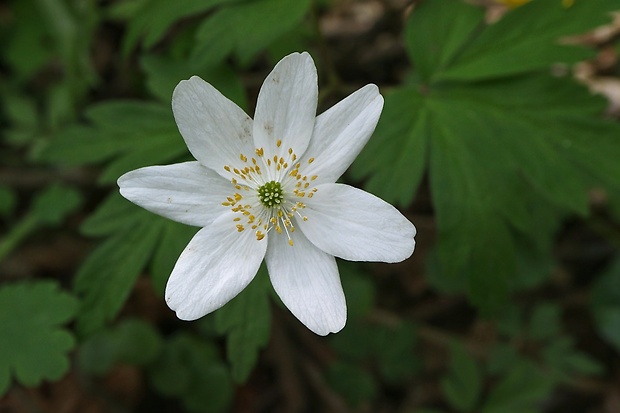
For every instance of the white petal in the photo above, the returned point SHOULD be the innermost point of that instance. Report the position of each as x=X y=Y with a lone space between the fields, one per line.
x=215 y=129
x=341 y=132
x=184 y=192
x=307 y=281
x=357 y=226
x=217 y=264
x=286 y=106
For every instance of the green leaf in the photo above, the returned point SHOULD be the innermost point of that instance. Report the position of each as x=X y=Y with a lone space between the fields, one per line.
x=174 y=239
x=487 y=144
x=7 y=201
x=565 y=360
x=356 y=342
x=114 y=214
x=437 y=31
x=463 y=48
x=605 y=304
x=132 y=341
x=151 y=19
x=394 y=348
x=55 y=203
x=582 y=363
x=21 y=110
x=400 y=141
x=190 y=370
x=133 y=133
x=502 y=358
x=352 y=381
x=359 y=290
x=163 y=74
x=462 y=385
x=34 y=346
x=226 y=30
x=389 y=348
x=106 y=278
x=519 y=391
x=246 y=320
x=25 y=50
x=544 y=322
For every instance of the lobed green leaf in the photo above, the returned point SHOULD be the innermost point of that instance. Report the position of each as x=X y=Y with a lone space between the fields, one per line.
x=34 y=346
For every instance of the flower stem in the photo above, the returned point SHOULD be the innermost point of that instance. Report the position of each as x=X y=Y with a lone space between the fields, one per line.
x=20 y=231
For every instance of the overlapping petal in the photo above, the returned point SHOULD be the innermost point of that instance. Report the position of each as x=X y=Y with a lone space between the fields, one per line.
x=286 y=106
x=185 y=192
x=341 y=132
x=307 y=281
x=357 y=226
x=215 y=266
x=215 y=129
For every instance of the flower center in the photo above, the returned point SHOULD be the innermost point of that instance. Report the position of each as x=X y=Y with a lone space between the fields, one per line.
x=274 y=191
x=271 y=194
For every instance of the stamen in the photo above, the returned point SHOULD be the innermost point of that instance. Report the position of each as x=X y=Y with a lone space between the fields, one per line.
x=276 y=204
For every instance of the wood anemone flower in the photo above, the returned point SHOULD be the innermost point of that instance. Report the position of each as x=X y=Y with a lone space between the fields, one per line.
x=265 y=189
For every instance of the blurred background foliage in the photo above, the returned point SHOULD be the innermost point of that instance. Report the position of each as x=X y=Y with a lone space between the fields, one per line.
x=499 y=139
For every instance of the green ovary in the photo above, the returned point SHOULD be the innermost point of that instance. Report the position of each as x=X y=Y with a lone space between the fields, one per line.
x=271 y=194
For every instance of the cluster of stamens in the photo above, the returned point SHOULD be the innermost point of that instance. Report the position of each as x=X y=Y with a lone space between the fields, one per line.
x=267 y=178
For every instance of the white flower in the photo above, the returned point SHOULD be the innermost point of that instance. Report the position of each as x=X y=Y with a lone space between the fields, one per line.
x=266 y=189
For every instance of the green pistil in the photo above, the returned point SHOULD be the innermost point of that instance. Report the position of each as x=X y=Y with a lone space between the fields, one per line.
x=271 y=194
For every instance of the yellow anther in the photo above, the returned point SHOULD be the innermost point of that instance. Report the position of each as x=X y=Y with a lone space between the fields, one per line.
x=240 y=227
x=243 y=157
x=278 y=229
x=279 y=142
x=237 y=219
x=290 y=151
x=227 y=168
x=290 y=242
x=275 y=158
x=310 y=160
x=259 y=235
x=305 y=218
x=314 y=177
x=311 y=194
x=236 y=171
